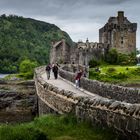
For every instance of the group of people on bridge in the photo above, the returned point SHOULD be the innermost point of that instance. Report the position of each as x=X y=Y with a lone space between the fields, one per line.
x=55 y=67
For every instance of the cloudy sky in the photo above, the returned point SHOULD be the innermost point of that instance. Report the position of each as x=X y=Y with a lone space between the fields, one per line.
x=81 y=19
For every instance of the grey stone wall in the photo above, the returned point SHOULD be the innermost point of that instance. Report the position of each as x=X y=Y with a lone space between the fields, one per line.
x=123 y=117
x=125 y=94
x=120 y=33
x=43 y=108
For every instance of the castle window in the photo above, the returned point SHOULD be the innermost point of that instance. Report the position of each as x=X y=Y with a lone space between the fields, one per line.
x=121 y=40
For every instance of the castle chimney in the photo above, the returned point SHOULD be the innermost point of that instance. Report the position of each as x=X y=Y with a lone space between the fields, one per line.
x=120 y=17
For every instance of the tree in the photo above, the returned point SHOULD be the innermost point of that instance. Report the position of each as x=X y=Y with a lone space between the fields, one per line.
x=27 y=68
x=22 y=38
x=112 y=56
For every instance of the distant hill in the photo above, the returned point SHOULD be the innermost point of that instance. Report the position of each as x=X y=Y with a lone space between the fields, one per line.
x=25 y=38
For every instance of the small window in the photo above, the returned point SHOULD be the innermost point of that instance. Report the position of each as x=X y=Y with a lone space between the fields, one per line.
x=121 y=42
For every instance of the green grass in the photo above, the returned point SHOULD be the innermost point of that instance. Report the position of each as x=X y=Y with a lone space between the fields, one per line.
x=117 y=74
x=118 y=68
x=53 y=127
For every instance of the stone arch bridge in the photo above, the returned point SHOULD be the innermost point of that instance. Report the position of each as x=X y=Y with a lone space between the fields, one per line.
x=103 y=104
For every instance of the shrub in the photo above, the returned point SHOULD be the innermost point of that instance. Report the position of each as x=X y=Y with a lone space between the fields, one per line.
x=112 y=56
x=93 y=74
x=93 y=63
x=127 y=59
x=27 y=68
x=111 y=70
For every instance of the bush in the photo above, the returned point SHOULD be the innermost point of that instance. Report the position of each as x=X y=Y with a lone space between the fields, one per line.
x=27 y=68
x=127 y=59
x=112 y=56
x=93 y=63
x=93 y=74
x=111 y=70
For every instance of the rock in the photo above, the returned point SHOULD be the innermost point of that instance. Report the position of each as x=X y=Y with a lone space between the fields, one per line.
x=19 y=97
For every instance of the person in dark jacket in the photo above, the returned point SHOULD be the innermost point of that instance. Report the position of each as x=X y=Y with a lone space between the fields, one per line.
x=55 y=71
x=48 y=71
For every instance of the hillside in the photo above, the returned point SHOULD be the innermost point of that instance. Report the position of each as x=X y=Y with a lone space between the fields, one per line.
x=25 y=38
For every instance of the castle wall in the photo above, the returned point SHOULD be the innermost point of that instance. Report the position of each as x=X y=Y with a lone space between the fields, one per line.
x=122 y=117
x=125 y=44
x=60 y=52
x=84 y=52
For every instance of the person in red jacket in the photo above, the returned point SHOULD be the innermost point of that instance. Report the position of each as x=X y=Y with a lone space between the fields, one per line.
x=78 y=77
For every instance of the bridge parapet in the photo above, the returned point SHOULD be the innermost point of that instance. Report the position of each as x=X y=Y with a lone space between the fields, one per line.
x=120 y=93
x=123 y=117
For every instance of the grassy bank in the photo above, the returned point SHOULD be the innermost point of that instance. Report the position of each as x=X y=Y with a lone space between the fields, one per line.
x=116 y=74
x=54 y=128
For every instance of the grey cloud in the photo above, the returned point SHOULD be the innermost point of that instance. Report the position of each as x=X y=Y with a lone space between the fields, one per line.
x=72 y=11
x=62 y=8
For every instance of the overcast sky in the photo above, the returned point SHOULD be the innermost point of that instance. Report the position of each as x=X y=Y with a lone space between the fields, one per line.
x=81 y=19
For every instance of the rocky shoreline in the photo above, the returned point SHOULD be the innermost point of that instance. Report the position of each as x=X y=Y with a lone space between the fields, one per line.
x=18 y=101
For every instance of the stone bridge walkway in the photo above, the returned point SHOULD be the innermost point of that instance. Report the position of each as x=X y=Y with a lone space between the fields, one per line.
x=66 y=85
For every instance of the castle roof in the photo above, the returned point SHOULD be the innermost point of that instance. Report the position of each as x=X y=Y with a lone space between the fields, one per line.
x=119 y=22
x=114 y=20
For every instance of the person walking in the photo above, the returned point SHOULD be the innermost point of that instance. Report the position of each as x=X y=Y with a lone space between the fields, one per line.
x=48 y=71
x=55 y=71
x=78 y=77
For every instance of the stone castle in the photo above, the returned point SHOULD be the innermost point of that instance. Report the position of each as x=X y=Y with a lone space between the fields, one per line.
x=118 y=33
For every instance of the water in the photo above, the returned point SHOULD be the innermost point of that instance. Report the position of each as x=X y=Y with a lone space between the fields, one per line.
x=3 y=75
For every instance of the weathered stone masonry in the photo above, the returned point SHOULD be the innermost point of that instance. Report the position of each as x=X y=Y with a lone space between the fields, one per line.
x=118 y=33
x=123 y=117
x=120 y=93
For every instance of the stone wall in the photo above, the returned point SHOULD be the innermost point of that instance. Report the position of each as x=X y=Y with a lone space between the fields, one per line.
x=125 y=94
x=120 y=33
x=123 y=117
x=84 y=52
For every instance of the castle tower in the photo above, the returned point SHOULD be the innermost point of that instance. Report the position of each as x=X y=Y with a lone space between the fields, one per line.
x=120 y=33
